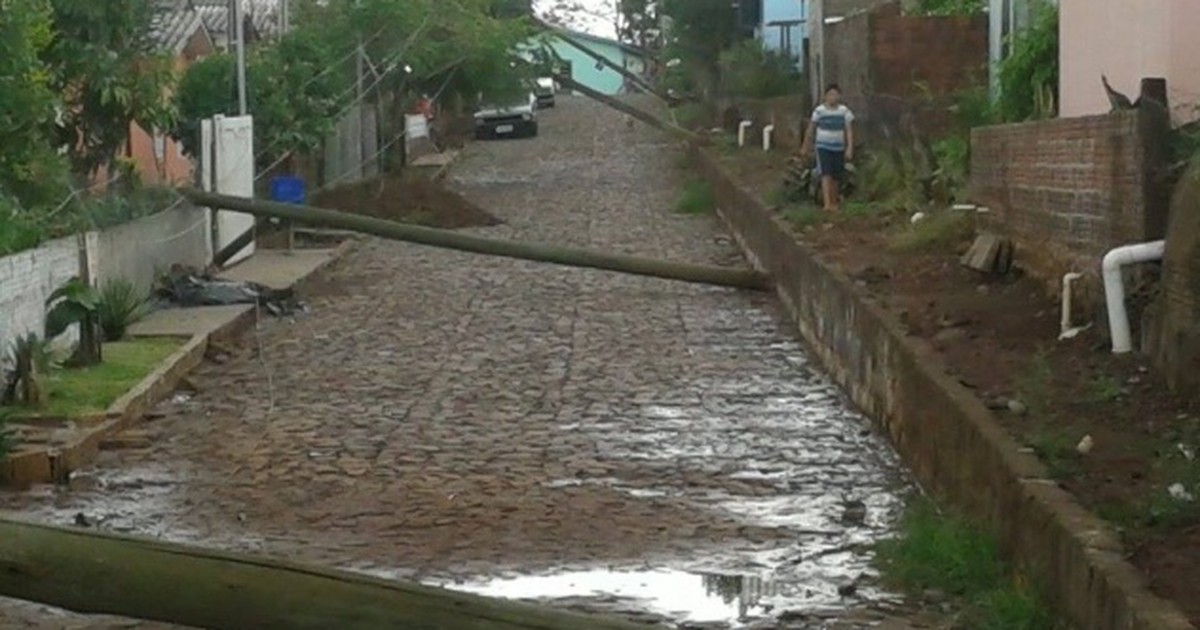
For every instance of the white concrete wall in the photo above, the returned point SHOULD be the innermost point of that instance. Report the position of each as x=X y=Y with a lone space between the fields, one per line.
x=135 y=251
x=140 y=250
x=26 y=280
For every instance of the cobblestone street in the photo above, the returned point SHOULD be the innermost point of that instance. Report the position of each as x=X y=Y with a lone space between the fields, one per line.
x=476 y=421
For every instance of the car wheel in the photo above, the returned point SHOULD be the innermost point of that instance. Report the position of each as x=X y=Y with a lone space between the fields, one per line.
x=480 y=134
x=533 y=130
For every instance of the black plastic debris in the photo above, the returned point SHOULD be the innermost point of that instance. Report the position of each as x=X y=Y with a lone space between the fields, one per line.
x=185 y=286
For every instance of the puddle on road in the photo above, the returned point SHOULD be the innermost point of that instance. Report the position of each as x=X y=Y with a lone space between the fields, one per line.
x=670 y=595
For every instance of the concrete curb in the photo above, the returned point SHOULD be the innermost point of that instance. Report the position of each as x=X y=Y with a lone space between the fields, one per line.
x=943 y=431
x=26 y=467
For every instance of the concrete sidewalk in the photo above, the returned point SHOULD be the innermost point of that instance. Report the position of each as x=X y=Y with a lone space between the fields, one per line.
x=276 y=269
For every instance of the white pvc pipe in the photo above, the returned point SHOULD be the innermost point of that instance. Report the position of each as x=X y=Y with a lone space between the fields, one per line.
x=767 y=131
x=1066 y=300
x=742 y=127
x=1066 y=330
x=1114 y=288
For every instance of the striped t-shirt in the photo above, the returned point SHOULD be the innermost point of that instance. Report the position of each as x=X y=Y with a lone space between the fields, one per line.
x=831 y=126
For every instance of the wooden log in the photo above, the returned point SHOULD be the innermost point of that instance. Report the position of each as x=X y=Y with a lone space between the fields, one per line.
x=91 y=572
x=318 y=217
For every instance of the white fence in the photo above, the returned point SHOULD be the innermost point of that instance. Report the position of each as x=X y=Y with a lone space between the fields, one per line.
x=137 y=251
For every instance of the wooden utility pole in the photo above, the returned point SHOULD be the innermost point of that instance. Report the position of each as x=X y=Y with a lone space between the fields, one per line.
x=626 y=108
x=91 y=572
x=239 y=34
x=319 y=217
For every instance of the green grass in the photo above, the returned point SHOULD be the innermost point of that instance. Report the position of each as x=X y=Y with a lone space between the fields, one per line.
x=697 y=197
x=943 y=552
x=1106 y=389
x=940 y=230
x=83 y=391
x=1033 y=385
x=804 y=216
x=1057 y=448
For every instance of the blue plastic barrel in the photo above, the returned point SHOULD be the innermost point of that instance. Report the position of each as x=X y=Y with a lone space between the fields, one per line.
x=287 y=189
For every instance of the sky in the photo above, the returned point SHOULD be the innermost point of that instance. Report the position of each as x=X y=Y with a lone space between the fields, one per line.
x=590 y=16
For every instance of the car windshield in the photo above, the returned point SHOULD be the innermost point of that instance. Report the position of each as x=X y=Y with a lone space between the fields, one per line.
x=504 y=101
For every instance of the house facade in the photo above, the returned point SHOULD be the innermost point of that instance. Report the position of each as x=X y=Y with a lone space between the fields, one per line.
x=179 y=31
x=1128 y=41
x=590 y=72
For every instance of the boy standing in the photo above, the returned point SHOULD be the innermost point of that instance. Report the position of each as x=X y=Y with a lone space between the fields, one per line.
x=834 y=134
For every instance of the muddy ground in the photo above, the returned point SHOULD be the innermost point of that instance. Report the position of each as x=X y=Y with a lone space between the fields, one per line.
x=407 y=199
x=998 y=336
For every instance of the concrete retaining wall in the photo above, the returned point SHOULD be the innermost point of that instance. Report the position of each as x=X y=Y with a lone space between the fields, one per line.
x=945 y=434
x=139 y=250
x=135 y=250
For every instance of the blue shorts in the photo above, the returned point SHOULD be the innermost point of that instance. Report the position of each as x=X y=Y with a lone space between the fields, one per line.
x=832 y=163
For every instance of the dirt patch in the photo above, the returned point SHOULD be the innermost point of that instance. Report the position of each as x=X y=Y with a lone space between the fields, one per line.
x=408 y=200
x=998 y=337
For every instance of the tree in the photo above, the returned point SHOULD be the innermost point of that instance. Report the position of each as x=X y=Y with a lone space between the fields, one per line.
x=104 y=64
x=701 y=29
x=300 y=85
x=30 y=170
x=639 y=24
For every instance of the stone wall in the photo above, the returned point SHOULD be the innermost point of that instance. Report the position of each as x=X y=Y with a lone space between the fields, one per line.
x=136 y=251
x=1068 y=190
x=944 y=433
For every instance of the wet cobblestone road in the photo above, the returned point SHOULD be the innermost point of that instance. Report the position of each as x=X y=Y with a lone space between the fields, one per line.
x=462 y=419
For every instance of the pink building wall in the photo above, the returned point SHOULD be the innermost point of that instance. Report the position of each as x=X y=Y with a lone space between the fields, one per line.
x=1128 y=40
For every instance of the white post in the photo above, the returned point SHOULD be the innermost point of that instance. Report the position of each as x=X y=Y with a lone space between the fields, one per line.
x=767 y=131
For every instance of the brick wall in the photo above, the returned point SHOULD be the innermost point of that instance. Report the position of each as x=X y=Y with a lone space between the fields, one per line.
x=889 y=65
x=1066 y=190
x=134 y=251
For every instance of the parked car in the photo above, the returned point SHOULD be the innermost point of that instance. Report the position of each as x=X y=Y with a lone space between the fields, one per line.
x=507 y=117
x=545 y=92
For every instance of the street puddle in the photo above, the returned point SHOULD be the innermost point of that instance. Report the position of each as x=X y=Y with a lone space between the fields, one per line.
x=669 y=595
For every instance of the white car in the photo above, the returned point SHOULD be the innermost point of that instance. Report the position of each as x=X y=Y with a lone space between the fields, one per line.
x=514 y=117
x=545 y=92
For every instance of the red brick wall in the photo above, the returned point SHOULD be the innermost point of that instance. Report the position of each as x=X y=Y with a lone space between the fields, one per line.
x=1065 y=190
x=889 y=64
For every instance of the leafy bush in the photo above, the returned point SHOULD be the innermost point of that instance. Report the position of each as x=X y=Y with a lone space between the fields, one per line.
x=950 y=7
x=76 y=303
x=1029 y=76
x=747 y=70
x=121 y=304
x=24 y=385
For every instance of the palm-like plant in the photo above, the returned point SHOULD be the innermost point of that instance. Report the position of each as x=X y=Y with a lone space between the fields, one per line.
x=120 y=305
x=76 y=302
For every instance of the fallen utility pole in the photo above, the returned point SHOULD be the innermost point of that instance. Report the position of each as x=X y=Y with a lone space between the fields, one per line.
x=92 y=572
x=570 y=40
x=626 y=108
x=318 y=217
